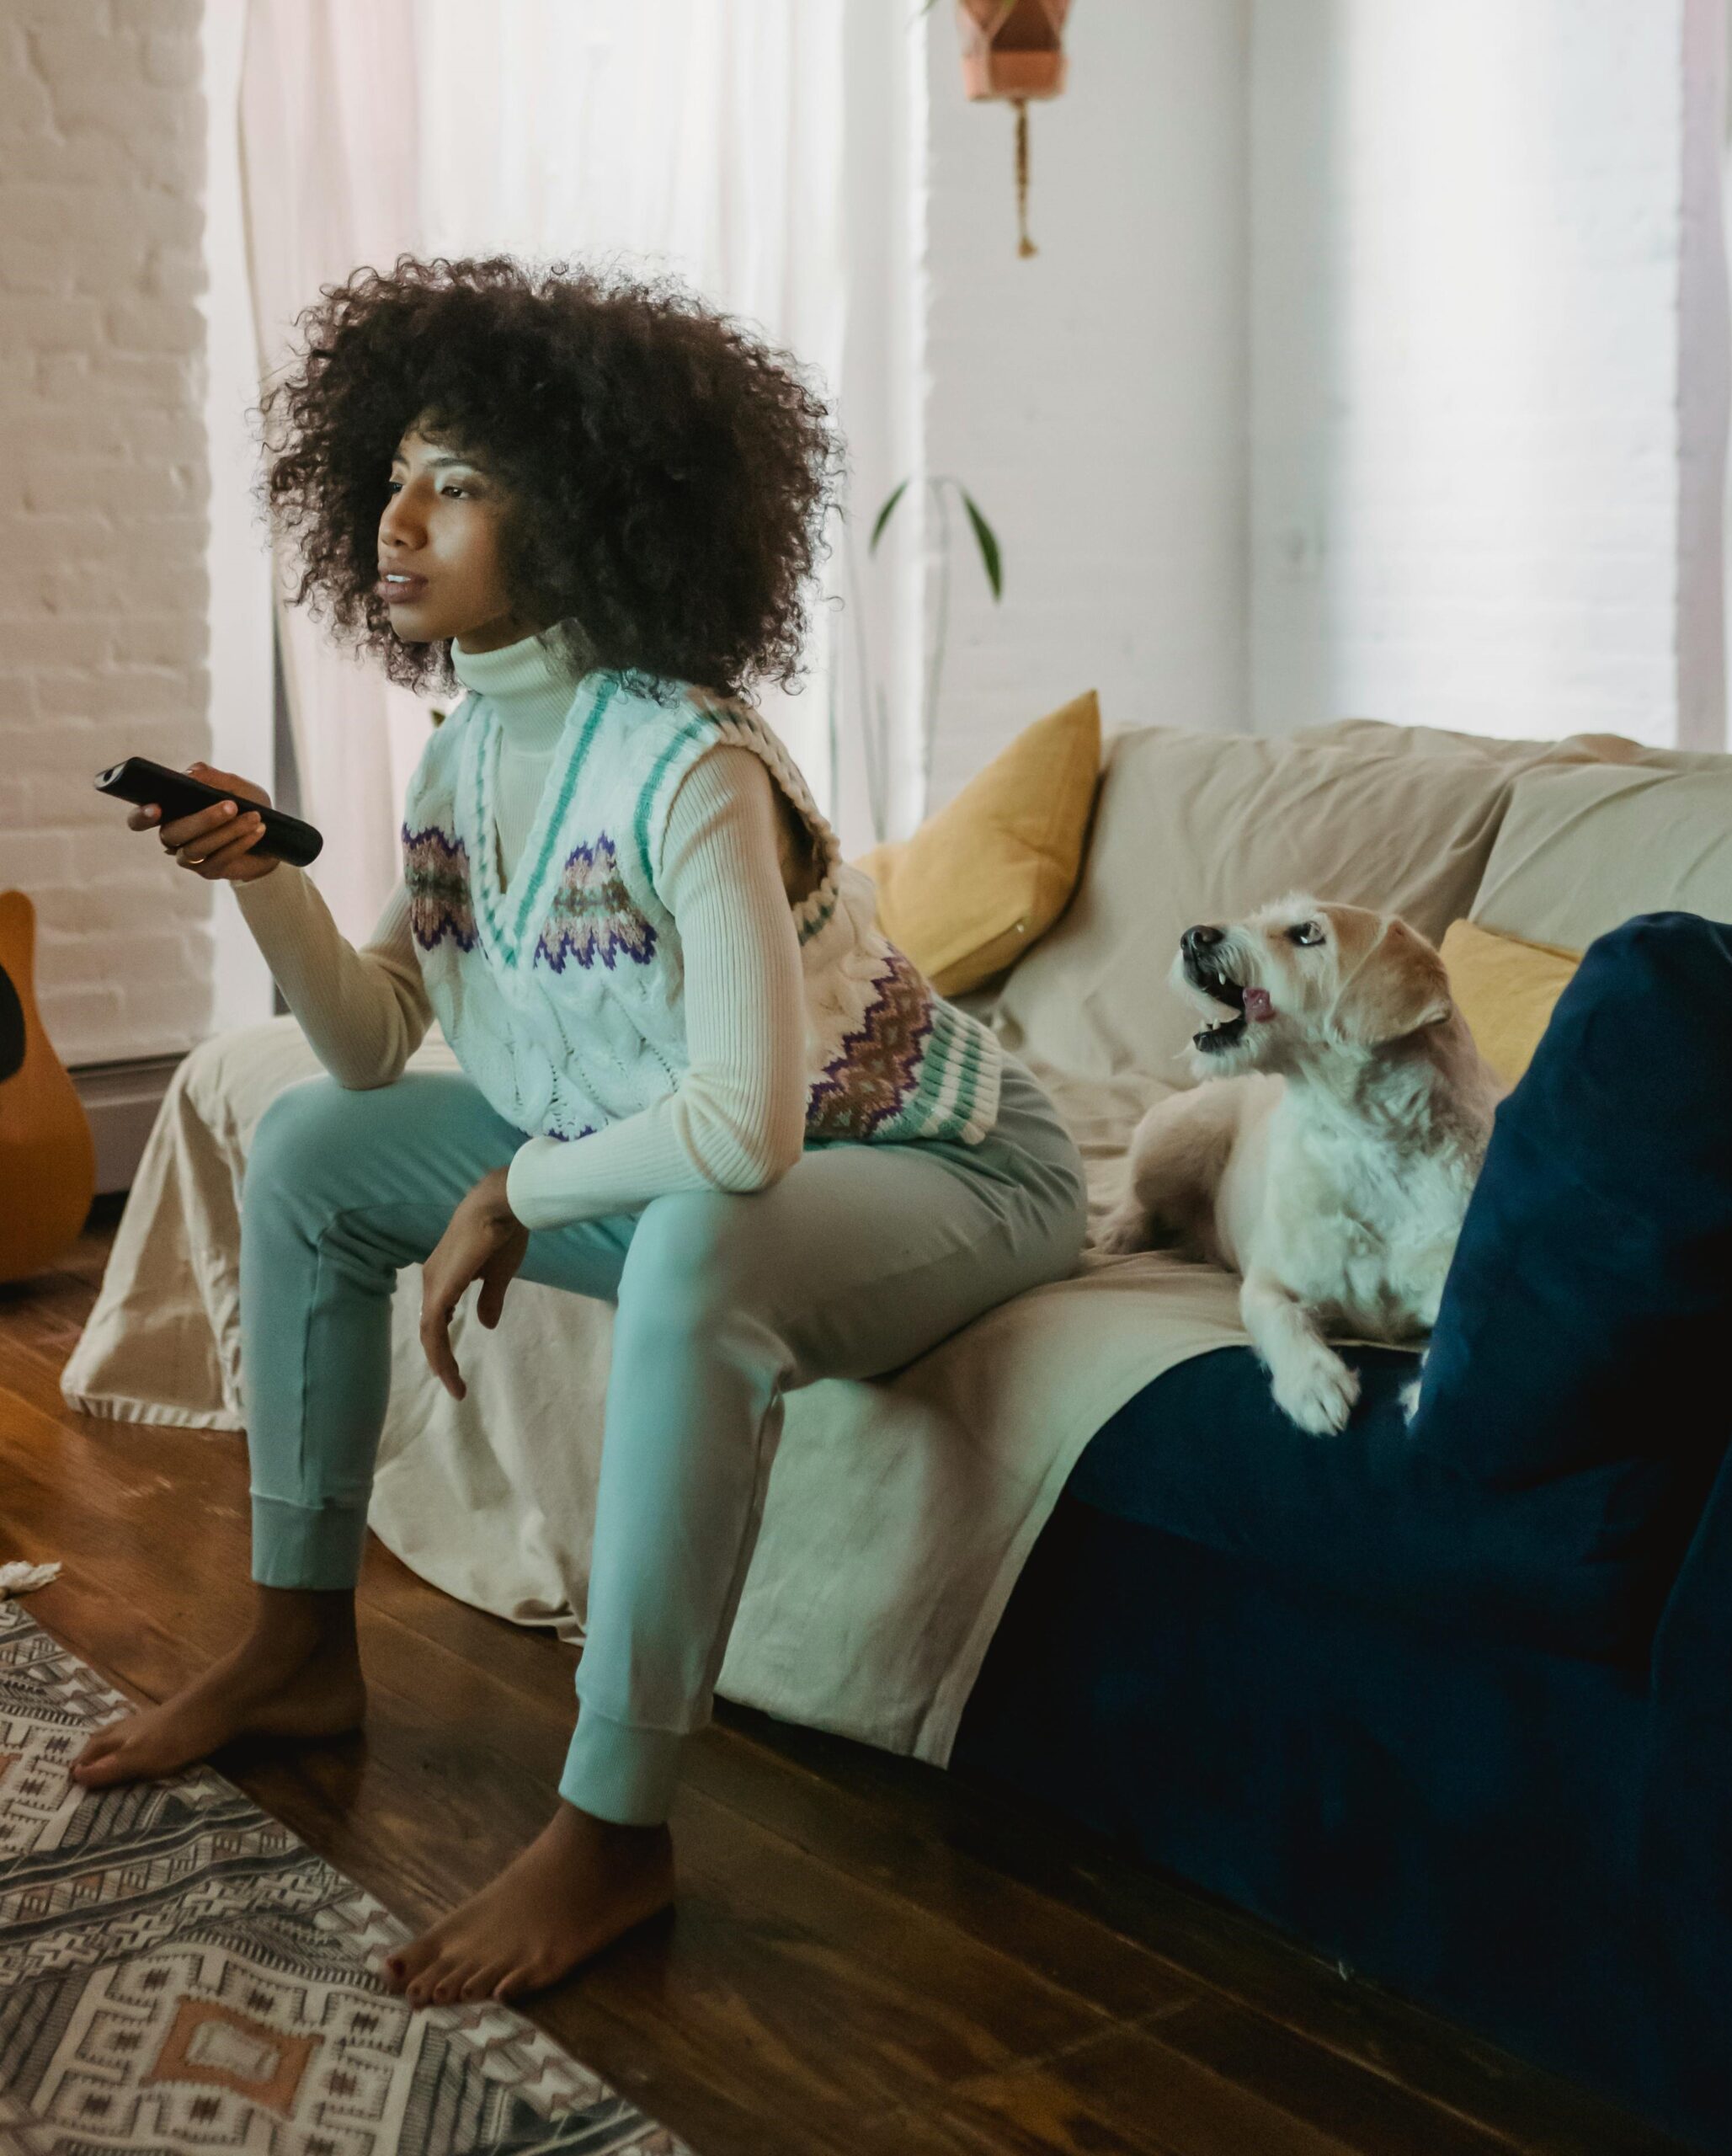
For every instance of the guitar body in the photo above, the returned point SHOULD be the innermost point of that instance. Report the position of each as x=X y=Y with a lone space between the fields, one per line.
x=47 y=1155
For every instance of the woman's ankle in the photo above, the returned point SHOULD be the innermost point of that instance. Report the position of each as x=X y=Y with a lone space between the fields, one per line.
x=299 y=1622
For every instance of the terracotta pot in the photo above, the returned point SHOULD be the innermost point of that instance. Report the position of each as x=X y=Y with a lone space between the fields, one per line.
x=1014 y=54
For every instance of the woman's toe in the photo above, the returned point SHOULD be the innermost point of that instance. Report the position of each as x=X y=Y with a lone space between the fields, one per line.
x=96 y=1774
x=99 y=1747
x=483 y=1980
x=426 y=1984
x=407 y=1962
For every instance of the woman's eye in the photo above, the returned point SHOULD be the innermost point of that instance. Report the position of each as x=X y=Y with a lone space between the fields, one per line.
x=390 y=487
x=1305 y=931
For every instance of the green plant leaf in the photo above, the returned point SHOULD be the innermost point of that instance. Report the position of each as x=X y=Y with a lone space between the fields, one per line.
x=988 y=544
x=884 y=517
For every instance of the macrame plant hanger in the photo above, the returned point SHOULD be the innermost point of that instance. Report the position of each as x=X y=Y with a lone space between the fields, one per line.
x=1014 y=49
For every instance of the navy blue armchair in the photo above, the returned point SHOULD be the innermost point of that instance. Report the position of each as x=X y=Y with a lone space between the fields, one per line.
x=1452 y=1702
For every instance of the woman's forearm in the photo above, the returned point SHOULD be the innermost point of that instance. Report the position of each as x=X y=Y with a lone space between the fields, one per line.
x=364 y=1012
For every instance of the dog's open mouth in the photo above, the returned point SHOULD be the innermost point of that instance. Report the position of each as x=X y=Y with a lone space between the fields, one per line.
x=1224 y=1033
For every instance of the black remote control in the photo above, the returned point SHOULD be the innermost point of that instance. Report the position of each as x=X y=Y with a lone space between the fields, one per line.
x=139 y=780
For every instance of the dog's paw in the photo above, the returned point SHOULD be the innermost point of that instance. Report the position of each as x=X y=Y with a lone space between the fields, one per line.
x=1317 y=1390
x=1126 y=1229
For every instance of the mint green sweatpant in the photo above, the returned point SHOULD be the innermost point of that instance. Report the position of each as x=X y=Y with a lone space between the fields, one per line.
x=859 y=1259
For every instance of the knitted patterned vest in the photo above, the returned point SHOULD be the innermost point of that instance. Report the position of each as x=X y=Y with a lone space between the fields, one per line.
x=563 y=998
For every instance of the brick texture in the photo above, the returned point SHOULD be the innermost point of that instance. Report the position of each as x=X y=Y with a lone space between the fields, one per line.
x=1466 y=226
x=1092 y=397
x=104 y=484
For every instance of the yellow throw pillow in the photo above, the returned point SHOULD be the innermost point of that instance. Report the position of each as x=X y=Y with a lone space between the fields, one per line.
x=993 y=869
x=1504 y=989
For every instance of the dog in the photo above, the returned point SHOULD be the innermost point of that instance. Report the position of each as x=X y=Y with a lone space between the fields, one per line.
x=1330 y=1153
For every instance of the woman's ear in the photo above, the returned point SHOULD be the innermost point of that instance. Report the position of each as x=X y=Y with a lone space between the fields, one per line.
x=1400 y=985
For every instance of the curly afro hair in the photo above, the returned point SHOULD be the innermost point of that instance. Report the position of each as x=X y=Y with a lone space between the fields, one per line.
x=669 y=475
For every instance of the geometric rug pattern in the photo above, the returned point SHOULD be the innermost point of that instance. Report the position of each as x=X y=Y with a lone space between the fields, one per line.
x=178 y=1973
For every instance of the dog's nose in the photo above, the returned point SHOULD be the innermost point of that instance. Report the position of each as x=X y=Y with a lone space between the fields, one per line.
x=1196 y=940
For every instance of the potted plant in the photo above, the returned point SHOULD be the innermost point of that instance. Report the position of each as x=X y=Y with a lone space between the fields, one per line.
x=875 y=722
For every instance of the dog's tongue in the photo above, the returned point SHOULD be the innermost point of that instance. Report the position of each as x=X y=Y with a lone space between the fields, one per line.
x=1257 y=1005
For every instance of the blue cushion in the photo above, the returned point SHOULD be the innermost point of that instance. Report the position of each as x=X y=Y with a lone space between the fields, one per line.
x=1591 y=1296
x=1203 y=1453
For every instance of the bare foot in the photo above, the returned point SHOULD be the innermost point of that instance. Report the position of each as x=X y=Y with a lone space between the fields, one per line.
x=279 y=1690
x=578 y=1885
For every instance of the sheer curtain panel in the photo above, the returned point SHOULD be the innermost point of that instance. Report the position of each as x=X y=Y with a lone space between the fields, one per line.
x=699 y=138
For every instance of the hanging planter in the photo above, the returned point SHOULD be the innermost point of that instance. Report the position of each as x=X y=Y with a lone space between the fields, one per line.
x=1014 y=49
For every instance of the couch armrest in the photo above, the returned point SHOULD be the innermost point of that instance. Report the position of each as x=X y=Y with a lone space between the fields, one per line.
x=1691 y=1669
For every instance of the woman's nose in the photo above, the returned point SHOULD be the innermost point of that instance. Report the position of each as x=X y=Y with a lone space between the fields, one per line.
x=397 y=521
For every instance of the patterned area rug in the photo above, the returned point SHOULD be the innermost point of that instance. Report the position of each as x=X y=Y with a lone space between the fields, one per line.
x=178 y=1972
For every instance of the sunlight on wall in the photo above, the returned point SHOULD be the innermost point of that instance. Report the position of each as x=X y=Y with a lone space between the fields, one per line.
x=1466 y=341
x=1436 y=491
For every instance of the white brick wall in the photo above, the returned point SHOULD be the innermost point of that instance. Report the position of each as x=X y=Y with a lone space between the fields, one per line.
x=1347 y=378
x=1366 y=369
x=103 y=505
x=1467 y=327
x=1092 y=398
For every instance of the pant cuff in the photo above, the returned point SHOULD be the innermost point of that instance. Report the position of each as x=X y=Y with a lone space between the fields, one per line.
x=620 y=1772
x=306 y=1545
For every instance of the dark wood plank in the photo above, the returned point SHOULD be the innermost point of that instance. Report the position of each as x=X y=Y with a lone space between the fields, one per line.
x=1222 y=1949
x=867 y=1954
x=894 y=1997
x=1120 y=2092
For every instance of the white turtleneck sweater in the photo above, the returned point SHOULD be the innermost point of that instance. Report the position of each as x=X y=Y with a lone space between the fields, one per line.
x=737 y=1118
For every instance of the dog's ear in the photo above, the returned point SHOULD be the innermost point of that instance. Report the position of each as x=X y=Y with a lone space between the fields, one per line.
x=1400 y=985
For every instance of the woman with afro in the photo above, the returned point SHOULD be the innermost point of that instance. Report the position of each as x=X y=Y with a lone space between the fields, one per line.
x=694 y=1079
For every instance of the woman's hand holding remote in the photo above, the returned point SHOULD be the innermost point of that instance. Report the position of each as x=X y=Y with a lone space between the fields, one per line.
x=215 y=842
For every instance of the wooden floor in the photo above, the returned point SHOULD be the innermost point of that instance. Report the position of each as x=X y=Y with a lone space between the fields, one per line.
x=868 y=1957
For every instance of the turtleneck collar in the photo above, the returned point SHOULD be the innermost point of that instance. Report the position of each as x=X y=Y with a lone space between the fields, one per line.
x=528 y=684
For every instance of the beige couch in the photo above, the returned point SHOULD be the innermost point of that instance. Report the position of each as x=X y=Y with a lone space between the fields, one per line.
x=900 y=1512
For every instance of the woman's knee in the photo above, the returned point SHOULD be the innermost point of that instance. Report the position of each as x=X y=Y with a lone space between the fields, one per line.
x=297 y=1119
x=304 y=1133
x=694 y=1256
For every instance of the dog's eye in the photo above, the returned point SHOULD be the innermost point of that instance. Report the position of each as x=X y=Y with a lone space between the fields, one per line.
x=1306 y=931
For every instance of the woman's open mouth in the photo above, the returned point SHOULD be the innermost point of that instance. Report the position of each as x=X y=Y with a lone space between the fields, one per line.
x=395 y=590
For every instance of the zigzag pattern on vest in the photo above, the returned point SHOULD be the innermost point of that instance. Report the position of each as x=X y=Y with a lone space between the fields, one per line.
x=592 y=917
x=871 y=1080
x=436 y=869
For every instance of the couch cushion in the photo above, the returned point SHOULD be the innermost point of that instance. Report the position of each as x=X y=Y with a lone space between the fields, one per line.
x=1573 y=748
x=1580 y=850
x=1204 y=1454
x=1590 y=1298
x=1205 y=826
x=986 y=876
x=1507 y=990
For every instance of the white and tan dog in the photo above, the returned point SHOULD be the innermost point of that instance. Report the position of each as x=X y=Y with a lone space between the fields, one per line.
x=1328 y=1156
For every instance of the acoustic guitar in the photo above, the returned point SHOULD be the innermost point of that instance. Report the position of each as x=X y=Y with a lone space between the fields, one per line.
x=47 y=1155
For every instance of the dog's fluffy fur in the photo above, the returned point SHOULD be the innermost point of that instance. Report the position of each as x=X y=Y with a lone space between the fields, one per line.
x=1328 y=1157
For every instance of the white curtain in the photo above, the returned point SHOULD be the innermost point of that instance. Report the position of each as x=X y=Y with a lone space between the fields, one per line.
x=697 y=137
x=328 y=122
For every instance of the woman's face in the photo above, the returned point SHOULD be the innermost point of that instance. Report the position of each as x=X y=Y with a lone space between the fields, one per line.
x=441 y=528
